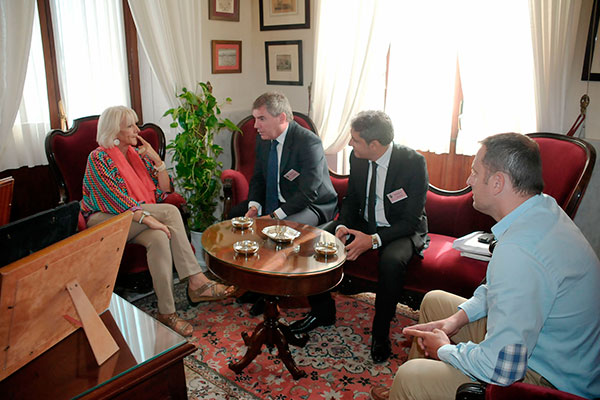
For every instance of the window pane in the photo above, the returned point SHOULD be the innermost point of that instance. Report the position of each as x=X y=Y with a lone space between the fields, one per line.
x=91 y=55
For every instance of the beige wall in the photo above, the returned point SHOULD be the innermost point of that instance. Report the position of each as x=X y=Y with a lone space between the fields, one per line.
x=244 y=87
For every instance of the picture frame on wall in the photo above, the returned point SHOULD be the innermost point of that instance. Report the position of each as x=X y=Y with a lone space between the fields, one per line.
x=284 y=62
x=224 y=10
x=284 y=14
x=591 y=62
x=226 y=56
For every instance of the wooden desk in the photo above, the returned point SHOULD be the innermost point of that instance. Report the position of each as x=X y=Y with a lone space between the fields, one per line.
x=275 y=270
x=149 y=364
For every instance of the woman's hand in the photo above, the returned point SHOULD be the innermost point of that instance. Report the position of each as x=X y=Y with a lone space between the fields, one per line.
x=147 y=149
x=153 y=223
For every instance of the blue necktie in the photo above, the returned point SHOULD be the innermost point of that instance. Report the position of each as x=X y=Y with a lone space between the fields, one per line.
x=272 y=196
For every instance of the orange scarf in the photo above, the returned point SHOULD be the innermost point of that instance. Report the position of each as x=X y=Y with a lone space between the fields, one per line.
x=137 y=179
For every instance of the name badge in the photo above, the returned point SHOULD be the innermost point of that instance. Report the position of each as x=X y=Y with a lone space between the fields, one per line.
x=397 y=195
x=291 y=175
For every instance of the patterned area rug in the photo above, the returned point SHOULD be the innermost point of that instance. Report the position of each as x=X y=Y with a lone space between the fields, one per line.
x=336 y=358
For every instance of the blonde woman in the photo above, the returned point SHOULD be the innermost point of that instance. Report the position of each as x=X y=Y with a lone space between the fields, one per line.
x=126 y=174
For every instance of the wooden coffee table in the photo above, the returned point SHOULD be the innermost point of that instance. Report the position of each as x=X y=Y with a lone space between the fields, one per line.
x=276 y=270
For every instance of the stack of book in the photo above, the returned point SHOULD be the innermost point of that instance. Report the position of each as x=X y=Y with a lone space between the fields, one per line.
x=470 y=246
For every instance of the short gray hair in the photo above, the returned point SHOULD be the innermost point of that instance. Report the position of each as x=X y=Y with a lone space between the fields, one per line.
x=374 y=125
x=275 y=103
x=109 y=124
x=519 y=157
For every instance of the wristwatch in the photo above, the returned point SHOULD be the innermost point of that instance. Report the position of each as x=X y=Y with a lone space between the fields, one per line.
x=144 y=215
x=374 y=242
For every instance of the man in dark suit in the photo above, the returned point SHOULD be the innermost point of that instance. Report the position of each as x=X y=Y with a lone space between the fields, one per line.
x=394 y=222
x=291 y=178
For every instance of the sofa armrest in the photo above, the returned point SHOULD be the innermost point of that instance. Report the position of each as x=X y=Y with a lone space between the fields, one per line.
x=238 y=183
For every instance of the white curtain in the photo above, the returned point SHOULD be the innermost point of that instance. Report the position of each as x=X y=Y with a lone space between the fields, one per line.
x=554 y=31
x=496 y=65
x=91 y=55
x=350 y=54
x=171 y=37
x=16 y=21
x=33 y=119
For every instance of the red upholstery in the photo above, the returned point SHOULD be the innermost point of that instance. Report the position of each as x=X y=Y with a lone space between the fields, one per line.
x=236 y=180
x=567 y=167
x=67 y=153
x=526 y=391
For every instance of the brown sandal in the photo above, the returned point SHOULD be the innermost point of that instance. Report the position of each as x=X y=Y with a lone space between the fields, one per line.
x=179 y=325
x=212 y=287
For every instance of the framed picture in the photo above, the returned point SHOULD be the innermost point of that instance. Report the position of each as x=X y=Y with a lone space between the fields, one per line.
x=591 y=62
x=284 y=62
x=224 y=10
x=284 y=14
x=226 y=56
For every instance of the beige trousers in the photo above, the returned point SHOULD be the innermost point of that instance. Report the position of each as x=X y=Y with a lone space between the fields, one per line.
x=161 y=252
x=421 y=378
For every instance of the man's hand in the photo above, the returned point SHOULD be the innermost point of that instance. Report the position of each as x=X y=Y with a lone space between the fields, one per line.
x=341 y=233
x=450 y=325
x=252 y=212
x=361 y=243
x=429 y=342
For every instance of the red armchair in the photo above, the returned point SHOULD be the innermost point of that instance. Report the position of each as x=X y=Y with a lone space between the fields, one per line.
x=236 y=180
x=67 y=154
x=519 y=390
x=567 y=167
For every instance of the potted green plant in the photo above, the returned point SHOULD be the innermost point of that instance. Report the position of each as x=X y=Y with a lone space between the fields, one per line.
x=197 y=171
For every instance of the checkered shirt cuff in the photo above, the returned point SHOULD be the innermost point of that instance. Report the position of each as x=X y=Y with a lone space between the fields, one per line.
x=511 y=364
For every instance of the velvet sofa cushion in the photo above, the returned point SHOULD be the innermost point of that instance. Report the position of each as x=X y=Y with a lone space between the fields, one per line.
x=441 y=267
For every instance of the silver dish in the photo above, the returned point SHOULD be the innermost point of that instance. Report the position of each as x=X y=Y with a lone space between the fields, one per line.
x=246 y=247
x=242 y=222
x=281 y=233
x=326 y=248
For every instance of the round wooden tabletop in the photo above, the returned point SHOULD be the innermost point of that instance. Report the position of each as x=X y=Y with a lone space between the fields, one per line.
x=280 y=269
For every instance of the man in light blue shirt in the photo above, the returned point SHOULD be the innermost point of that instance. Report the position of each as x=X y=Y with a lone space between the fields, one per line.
x=536 y=319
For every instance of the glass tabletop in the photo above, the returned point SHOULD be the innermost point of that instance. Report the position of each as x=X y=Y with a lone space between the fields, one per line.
x=146 y=338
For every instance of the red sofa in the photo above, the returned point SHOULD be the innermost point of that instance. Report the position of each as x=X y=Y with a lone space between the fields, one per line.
x=567 y=167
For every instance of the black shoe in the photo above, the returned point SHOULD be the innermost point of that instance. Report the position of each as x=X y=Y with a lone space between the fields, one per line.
x=308 y=323
x=381 y=349
x=248 y=297
x=258 y=308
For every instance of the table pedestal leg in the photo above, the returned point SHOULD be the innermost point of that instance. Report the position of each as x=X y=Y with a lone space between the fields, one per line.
x=271 y=332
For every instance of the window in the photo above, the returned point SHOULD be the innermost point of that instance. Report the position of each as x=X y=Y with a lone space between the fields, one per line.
x=89 y=50
x=444 y=58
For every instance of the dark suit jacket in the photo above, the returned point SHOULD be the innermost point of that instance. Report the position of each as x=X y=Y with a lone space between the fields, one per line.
x=407 y=170
x=303 y=152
